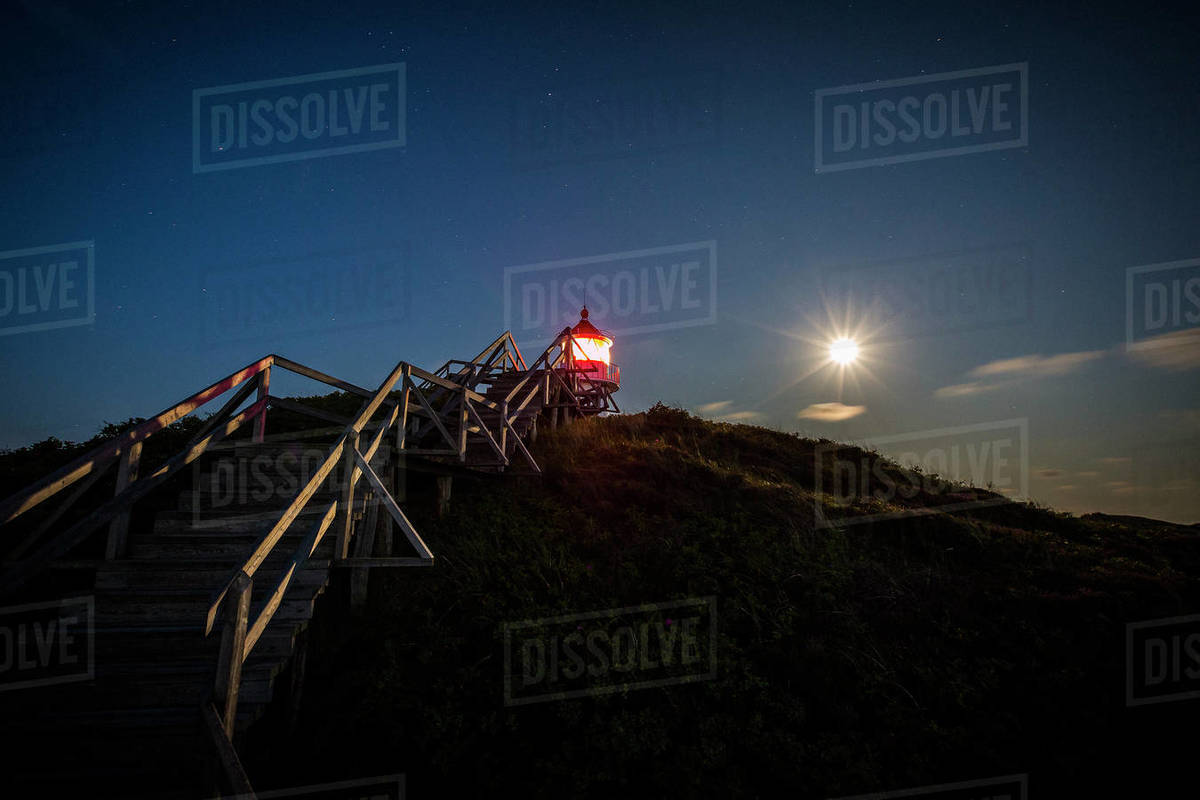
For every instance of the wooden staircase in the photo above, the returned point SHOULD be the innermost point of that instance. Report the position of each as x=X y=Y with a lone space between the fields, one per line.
x=136 y=724
x=479 y=454
x=199 y=614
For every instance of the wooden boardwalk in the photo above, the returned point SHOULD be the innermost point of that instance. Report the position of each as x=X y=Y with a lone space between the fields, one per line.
x=201 y=616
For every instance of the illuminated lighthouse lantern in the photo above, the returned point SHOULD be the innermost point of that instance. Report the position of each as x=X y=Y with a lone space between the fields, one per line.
x=591 y=356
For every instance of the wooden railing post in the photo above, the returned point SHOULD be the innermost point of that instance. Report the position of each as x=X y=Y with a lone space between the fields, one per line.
x=233 y=650
x=462 y=426
x=444 y=484
x=364 y=545
x=402 y=420
x=264 y=390
x=384 y=548
x=118 y=529
x=346 y=506
x=504 y=427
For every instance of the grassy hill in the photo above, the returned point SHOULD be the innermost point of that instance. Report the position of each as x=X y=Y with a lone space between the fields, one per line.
x=901 y=652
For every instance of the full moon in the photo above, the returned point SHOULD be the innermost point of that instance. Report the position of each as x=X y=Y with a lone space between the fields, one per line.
x=843 y=351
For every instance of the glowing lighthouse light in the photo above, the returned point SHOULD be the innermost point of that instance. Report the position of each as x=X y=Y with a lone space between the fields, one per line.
x=590 y=351
x=590 y=343
x=585 y=368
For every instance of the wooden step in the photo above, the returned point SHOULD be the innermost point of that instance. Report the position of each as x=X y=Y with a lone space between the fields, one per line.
x=185 y=522
x=116 y=693
x=123 y=689
x=169 y=665
x=278 y=641
x=165 y=609
x=160 y=574
x=277 y=560
x=137 y=721
x=230 y=548
x=244 y=448
x=507 y=380
x=205 y=501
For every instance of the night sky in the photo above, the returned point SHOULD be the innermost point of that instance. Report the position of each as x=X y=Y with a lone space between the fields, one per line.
x=542 y=134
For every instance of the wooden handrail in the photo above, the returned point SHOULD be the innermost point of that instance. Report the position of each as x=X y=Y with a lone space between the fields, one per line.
x=462 y=405
x=22 y=571
x=346 y=449
x=503 y=346
x=268 y=542
x=339 y=450
x=317 y=375
x=306 y=549
x=106 y=453
x=444 y=397
x=20 y=502
x=446 y=384
x=544 y=358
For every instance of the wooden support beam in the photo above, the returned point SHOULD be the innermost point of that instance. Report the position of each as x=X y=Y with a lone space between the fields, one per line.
x=402 y=428
x=487 y=435
x=377 y=441
x=389 y=505
x=462 y=427
x=264 y=391
x=437 y=421
x=522 y=448
x=233 y=647
x=396 y=488
x=444 y=483
x=234 y=775
x=296 y=690
x=364 y=545
x=118 y=529
x=345 y=522
x=504 y=429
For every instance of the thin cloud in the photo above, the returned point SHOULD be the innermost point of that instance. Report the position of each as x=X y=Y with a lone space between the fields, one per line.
x=1046 y=472
x=713 y=408
x=1114 y=460
x=831 y=412
x=1087 y=473
x=1037 y=365
x=1002 y=373
x=965 y=389
x=1177 y=350
x=1067 y=487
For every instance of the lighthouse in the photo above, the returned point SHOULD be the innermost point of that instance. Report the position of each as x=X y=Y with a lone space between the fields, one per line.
x=589 y=368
